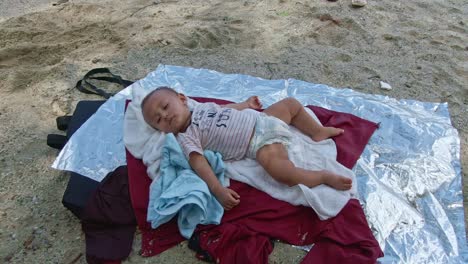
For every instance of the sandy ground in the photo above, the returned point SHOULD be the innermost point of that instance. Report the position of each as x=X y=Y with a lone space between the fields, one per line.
x=419 y=47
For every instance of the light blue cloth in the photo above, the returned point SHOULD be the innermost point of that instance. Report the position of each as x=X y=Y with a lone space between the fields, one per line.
x=179 y=190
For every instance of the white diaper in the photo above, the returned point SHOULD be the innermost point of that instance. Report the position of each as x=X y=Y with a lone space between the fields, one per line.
x=268 y=130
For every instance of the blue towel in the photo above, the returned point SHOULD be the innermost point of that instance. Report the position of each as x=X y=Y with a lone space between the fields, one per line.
x=179 y=190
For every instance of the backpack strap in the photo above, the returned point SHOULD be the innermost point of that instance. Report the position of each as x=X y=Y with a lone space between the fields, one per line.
x=87 y=87
x=56 y=141
x=63 y=122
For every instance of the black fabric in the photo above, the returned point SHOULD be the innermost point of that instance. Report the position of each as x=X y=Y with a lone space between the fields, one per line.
x=85 y=86
x=104 y=208
x=108 y=220
x=79 y=188
x=83 y=111
x=77 y=193
x=56 y=141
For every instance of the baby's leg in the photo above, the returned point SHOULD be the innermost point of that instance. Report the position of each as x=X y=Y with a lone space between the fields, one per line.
x=292 y=112
x=274 y=159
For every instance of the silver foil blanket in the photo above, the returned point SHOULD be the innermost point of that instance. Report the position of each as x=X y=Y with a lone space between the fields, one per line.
x=409 y=176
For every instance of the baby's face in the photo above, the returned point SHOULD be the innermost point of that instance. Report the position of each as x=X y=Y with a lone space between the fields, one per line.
x=167 y=112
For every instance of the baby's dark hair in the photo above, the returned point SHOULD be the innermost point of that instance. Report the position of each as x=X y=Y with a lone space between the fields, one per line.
x=161 y=88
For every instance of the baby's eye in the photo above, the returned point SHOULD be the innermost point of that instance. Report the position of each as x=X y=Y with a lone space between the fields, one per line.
x=158 y=120
x=165 y=107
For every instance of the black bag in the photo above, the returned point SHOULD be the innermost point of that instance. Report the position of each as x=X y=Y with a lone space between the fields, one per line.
x=79 y=187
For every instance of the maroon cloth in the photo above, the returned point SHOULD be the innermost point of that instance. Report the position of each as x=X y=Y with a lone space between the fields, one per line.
x=245 y=231
x=357 y=133
x=108 y=220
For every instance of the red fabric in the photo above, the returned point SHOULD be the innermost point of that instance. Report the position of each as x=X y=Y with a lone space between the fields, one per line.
x=243 y=236
x=245 y=231
x=357 y=133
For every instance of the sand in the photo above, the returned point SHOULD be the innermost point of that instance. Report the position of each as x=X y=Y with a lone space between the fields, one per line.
x=419 y=47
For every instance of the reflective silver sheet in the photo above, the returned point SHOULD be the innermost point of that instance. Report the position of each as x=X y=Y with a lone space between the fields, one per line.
x=409 y=176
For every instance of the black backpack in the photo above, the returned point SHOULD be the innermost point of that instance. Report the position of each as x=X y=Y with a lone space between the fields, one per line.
x=80 y=188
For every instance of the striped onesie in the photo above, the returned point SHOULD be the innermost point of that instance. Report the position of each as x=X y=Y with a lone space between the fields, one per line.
x=224 y=130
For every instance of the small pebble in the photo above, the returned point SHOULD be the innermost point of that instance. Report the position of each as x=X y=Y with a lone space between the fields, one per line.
x=358 y=3
x=385 y=86
x=36 y=230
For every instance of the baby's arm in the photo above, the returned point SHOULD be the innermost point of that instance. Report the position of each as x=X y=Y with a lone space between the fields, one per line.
x=252 y=102
x=227 y=197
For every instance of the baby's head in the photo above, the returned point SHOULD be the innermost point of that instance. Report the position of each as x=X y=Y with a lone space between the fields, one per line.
x=166 y=110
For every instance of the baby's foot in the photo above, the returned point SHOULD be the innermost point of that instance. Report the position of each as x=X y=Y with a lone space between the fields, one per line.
x=338 y=182
x=327 y=132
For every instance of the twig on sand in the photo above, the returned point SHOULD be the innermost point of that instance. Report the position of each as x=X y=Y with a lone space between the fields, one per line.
x=76 y=259
x=141 y=8
x=268 y=64
x=328 y=17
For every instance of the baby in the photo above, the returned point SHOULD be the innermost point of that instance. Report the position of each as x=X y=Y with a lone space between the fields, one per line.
x=237 y=133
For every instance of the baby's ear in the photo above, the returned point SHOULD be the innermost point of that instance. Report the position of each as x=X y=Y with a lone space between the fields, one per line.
x=183 y=98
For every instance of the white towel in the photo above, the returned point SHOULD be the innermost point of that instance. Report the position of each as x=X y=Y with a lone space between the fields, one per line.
x=145 y=143
x=305 y=153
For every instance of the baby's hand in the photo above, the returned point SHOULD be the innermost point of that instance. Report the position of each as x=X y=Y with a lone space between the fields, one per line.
x=254 y=103
x=228 y=198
